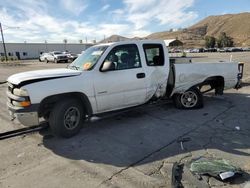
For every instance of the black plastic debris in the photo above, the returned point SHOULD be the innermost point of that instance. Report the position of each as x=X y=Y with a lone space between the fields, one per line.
x=177 y=171
x=218 y=168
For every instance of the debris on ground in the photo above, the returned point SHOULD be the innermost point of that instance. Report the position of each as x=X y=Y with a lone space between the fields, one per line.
x=177 y=171
x=182 y=140
x=237 y=128
x=218 y=168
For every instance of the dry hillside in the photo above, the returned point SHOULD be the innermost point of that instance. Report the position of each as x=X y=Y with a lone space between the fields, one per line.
x=236 y=26
x=114 y=38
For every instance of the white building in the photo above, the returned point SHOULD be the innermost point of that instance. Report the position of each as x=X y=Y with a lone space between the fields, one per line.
x=33 y=50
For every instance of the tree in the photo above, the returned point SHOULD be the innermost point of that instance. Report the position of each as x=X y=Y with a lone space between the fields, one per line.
x=210 y=42
x=224 y=41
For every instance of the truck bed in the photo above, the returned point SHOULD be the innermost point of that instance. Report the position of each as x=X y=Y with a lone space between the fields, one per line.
x=188 y=75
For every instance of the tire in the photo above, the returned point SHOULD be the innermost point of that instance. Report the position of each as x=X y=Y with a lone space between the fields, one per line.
x=66 y=118
x=40 y=60
x=190 y=99
x=66 y=61
x=46 y=60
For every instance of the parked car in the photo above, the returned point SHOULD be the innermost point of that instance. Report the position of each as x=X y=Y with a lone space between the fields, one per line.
x=195 y=50
x=71 y=56
x=188 y=50
x=236 y=49
x=212 y=50
x=246 y=49
x=114 y=76
x=42 y=57
x=221 y=50
x=56 y=57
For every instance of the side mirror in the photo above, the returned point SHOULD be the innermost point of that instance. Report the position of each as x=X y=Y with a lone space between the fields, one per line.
x=108 y=66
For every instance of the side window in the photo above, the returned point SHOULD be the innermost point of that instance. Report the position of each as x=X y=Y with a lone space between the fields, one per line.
x=124 y=57
x=154 y=54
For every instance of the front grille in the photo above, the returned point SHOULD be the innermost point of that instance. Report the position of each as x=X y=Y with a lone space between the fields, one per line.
x=62 y=57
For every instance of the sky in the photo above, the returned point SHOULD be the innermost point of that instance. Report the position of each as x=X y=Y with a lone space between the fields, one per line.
x=88 y=20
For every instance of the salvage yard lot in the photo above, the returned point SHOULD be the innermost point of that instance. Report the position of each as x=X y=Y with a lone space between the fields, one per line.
x=136 y=148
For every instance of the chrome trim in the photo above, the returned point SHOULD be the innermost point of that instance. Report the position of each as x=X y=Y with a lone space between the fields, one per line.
x=15 y=97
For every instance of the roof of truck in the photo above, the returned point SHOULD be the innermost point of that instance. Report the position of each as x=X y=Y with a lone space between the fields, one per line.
x=130 y=41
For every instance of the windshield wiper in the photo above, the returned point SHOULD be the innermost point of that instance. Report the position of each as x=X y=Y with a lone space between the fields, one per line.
x=73 y=67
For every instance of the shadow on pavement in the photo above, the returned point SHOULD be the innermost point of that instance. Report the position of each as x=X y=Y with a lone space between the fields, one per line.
x=150 y=134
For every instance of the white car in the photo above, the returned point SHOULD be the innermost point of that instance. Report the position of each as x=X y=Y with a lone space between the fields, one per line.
x=109 y=77
x=42 y=57
x=71 y=56
x=56 y=57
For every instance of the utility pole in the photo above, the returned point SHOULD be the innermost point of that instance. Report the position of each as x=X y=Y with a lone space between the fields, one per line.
x=5 y=53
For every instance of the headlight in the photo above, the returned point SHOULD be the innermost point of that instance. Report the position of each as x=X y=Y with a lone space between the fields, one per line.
x=20 y=92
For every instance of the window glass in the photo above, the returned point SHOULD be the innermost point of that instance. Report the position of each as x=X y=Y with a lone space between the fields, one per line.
x=154 y=54
x=124 y=57
x=57 y=53
x=89 y=58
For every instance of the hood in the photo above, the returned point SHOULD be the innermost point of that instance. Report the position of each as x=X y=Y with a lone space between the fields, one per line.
x=40 y=75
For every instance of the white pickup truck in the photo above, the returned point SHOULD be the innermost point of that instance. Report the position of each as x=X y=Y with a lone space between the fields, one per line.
x=109 y=77
x=55 y=57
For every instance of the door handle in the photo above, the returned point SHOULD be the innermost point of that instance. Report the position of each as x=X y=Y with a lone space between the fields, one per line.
x=140 y=75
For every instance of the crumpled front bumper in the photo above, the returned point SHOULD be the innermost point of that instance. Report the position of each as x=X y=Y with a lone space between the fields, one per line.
x=25 y=117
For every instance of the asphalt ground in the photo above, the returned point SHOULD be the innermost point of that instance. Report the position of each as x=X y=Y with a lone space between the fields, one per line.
x=136 y=148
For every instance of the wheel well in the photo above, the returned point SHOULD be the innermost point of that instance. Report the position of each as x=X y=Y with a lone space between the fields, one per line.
x=48 y=103
x=214 y=82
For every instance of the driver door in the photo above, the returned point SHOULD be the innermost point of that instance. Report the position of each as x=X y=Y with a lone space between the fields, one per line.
x=124 y=85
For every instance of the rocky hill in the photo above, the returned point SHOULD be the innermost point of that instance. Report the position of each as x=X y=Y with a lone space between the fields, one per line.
x=114 y=38
x=236 y=26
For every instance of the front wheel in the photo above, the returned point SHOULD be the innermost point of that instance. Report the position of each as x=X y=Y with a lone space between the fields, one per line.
x=66 y=118
x=190 y=99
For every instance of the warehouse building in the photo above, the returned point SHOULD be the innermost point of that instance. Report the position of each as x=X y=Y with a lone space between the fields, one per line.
x=33 y=50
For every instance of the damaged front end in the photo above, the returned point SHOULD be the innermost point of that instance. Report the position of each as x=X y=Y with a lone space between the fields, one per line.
x=20 y=107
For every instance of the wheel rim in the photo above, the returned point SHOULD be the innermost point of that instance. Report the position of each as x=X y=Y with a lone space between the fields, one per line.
x=189 y=99
x=72 y=118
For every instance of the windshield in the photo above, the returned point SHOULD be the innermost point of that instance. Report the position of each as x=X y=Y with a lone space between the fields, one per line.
x=89 y=58
x=56 y=53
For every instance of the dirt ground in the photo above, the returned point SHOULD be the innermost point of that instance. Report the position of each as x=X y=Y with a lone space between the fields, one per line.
x=137 y=148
